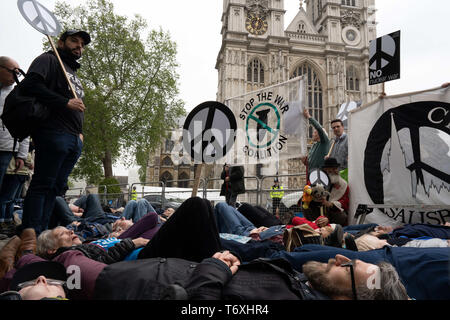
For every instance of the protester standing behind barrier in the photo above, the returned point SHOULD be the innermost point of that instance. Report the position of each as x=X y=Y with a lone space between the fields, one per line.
x=340 y=146
x=134 y=194
x=320 y=147
x=58 y=140
x=276 y=194
x=233 y=183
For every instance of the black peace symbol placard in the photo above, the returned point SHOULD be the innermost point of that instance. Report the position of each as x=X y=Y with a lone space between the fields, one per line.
x=39 y=17
x=209 y=132
x=384 y=58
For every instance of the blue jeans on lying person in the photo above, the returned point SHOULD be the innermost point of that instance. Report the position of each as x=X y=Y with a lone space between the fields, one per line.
x=251 y=250
x=62 y=215
x=423 y=271
x=135 y=210
x=353 y=229
x=230 y=220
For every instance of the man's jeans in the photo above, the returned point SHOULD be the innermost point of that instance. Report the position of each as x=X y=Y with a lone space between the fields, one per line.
x=62 y=215
x=10 y=191
x=56 y=154
x=229 y=220
x=5 y=158
x=135 y=210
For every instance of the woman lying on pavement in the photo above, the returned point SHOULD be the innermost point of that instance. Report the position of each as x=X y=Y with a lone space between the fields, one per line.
x=191 y=236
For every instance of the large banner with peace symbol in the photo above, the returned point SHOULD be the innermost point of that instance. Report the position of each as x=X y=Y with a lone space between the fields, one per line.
x=399 y=155
x=270 y=124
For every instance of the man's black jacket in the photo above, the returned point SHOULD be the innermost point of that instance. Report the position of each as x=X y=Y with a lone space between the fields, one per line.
x=149 y=279
x=116 y=253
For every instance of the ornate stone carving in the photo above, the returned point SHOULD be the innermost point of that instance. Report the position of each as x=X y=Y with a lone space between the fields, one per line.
x=259 y=7
x=350 y=18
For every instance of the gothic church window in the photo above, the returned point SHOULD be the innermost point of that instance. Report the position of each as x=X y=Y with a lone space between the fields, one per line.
x=182 y=180
x=301 y=27
x=167 y=162
x=350 y=3
x=169 y=144
x=352 y=79
x=314 y=95
x=167 y=178
x=255 y=72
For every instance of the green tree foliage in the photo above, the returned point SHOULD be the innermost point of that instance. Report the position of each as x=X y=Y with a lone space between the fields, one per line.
x=112 y=186
x=131 y=87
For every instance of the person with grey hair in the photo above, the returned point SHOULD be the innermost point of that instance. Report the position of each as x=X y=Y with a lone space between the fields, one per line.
x=220 y=277
x=52 y=243
x=423 y=271
x=368 y=281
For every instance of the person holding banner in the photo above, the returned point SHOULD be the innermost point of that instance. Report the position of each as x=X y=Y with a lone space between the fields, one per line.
x=320 y=147
x=58 y=140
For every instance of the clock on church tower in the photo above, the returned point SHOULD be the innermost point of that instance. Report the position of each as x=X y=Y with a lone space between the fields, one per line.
x=256 y=24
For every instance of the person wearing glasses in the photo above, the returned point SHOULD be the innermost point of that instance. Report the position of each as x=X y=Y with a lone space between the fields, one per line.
x=59 y=139
x=339 y=147
x=221 y=276
x=9 y=72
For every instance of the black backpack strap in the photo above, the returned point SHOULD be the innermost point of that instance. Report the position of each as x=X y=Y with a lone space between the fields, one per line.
x=14 y=147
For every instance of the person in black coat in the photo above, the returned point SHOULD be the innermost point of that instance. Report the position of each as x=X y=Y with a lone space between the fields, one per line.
x=184 y=260
x=233 y=184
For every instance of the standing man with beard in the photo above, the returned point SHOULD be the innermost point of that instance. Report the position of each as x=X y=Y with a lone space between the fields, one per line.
x=337 y=205
x=59 y=139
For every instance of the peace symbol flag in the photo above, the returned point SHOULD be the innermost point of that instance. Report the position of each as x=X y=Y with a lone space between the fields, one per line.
x=399 y=158
x=270 y=124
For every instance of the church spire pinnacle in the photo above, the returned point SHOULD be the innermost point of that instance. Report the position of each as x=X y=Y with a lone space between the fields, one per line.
x=301 y=4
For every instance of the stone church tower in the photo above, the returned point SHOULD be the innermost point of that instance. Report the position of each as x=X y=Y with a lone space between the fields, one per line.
x=327 y=42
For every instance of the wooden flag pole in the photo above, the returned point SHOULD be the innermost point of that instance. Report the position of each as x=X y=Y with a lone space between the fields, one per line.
x=62 y=67
x=331 y=148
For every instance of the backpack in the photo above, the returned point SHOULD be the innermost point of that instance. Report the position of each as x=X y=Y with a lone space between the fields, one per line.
x=299 y=235
x=22 y=114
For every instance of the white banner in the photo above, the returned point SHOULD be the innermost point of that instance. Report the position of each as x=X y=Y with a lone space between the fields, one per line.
x=270 y=124
x=399 y=155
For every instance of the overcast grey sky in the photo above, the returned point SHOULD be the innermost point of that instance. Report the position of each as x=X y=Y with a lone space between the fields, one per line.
x=195 y=26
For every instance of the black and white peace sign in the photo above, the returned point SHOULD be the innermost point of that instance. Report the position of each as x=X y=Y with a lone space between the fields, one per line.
x=39 y=17
x=384 y=58
x=209 y=132
x=317 y=177
x=382 y=52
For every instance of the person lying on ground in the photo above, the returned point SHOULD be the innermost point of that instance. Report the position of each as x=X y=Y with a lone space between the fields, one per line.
x=409 y=235
x=52 y=243
x=258 y=216
x=219 y=277
x=166 y=214
x=423 y=271
x=94 y=222
x=196 y=239
x=231 y=221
